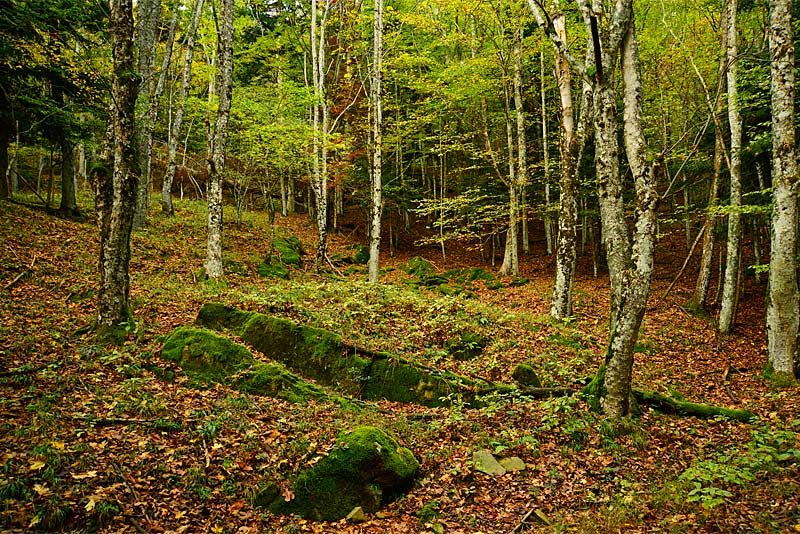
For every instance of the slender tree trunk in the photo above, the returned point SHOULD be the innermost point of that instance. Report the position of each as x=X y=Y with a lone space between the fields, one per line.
x=147 y=29
x=69 y=203
x=320 y=125
x=730 y=291
x=377 y=139
x=510 y=265
x=216 y=164
x=783 y=300
x=167 y=208
x=115 y=191
x=522 y=153
x=561 y=306
x=548 y=224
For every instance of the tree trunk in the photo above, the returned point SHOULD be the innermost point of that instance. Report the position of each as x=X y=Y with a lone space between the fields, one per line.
x=115 y=192
x=561 y=306
x=377 y=138
x=730 y=291
x=782 y=300
x=522 y=154
x=216 y=163
x=147 y=29
x=167 y=209
x=320 y=125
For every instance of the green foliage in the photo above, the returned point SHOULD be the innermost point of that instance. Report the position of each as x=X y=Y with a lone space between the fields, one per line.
x=713 y=480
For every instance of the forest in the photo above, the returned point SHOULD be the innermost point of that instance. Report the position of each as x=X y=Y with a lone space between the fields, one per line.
x=438 y=266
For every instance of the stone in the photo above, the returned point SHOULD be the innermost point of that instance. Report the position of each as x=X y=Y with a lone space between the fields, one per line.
x=367 y=469
x=485 y=462
x=206 y=358
x=513 y=463
x=357 y=515
x=526 y=376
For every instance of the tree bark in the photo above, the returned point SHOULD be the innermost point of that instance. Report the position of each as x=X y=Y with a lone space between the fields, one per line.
x=146 y=28
x=377 y=139
x=115 y=191
x=730 y=291
x=782 y=300
x=216 y=163
x=561 y=306
x=320 y=118
x=167 y=208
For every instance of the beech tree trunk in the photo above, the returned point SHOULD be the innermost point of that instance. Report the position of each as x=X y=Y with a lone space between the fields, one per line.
x=730 y=290
x=115 y=187
x=377 y=139
x=561 y=306
x=177 y=123
x=320 y=129
x=782 y=300
x=216 y=163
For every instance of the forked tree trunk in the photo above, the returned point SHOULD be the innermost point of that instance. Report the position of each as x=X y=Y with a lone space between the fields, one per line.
x=177 y=123
x=730 y=290
x=782 y=300
x=115 y=188
x=216 y=163
x=377 y=139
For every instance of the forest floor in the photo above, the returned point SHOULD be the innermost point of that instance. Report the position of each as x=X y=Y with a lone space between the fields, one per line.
x=91 y=439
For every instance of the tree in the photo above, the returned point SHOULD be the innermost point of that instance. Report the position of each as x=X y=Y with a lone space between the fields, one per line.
x=177 y=123
x=630 y=261
x=730 y=291
x=115 y=187
x=216 y=160
x=782 y=299
x=377 y=140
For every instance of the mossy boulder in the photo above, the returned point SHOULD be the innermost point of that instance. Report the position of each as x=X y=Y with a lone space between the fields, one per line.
x=206 y=358
x=526 y=376
x=275 y=380
x=313 y=352
x=467 y=346
x=276 y=270
x=288 y=251
x=367 y=468
x=220 y=317
x=394 y=379
x=419 y=267
x=361 y=256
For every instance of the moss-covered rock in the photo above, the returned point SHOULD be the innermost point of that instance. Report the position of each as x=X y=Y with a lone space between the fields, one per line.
x=526 y=376
x=367 y=468
x=220 y=317
x=207 y=358
x=467 y=346
x=274 y=380
x=361 y=256
x=312 y=352
x=276 y=270
x=418 y=267
x=288 y=251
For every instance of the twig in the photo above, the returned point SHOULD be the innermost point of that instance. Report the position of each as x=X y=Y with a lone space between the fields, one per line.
x=685 y=263
x=524 y=520
x=20 y=275
x=333 y=266
x=135 y=524
x=205 y=450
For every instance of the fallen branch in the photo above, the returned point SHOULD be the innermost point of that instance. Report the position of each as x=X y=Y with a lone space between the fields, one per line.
x=20 y=275
x=669 y=405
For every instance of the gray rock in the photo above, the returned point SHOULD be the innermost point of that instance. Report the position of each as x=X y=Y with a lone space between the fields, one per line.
x=512 y=463
x=485 y=462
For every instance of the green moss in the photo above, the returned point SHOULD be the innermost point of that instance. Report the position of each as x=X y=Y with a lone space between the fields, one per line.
x=207 y=358
x=525 y=375
x=667 y=404
x=273 y=271
x=467 y=346
x=220 y=317
x=396 y=380
x=516 y=282
x=309 y=351
x=362 y=255
x=418 y=267
x=367 y=468
x=288 y=251
x=274 y=380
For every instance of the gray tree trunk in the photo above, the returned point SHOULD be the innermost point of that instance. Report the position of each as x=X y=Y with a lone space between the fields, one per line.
x=115 y=187
x=561 y=306
x=167 y=208
x=782 y=300
x=377 y=139
x=320 y=129
x=730 y=290
x=216 y=163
